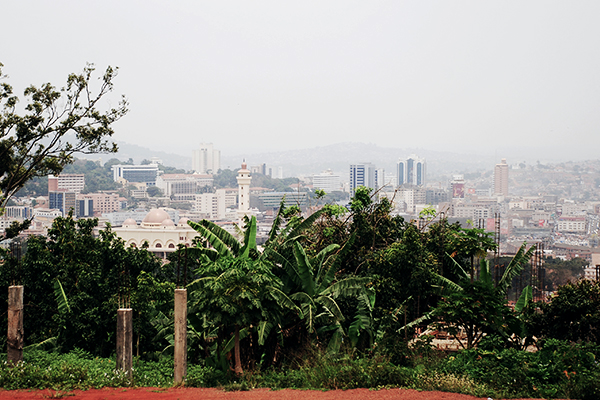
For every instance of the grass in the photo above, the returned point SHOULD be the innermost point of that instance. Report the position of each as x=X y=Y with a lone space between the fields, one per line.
x=558 y=370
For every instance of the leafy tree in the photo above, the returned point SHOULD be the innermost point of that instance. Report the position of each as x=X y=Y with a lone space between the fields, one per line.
x=236 y=293
x=572 y=314
x=97 y=178
x=154 y=191
x=478 y=307
x=314 y=288
x=94 y=273
x=56 y=124
x=374 y=226
x=559 y=272
x=475 y=310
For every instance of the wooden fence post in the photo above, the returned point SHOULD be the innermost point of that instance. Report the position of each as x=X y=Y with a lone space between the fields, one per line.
x=124 y=339
x=14 y=351
x=180 y=336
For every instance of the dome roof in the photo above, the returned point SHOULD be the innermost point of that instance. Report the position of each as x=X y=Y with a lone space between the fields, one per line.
x=155 y=216
x=182 y=221
x=168 y=222
x=129 y=222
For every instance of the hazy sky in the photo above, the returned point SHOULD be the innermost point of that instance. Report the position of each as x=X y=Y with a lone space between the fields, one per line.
x=486 y=75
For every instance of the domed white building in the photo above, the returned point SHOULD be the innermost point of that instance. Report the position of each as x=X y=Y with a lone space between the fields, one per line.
x=158 y=230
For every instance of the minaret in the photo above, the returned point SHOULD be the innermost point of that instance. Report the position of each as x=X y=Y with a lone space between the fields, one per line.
x=243 y=180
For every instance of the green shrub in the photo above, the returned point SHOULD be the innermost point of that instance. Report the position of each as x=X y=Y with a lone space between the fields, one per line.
x=558 y=369
x=453 y=383
x=322 y=371
x=201 y=376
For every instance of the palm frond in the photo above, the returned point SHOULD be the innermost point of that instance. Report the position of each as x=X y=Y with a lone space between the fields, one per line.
x=336 y=340
x=425 y=317
x=524 y=299
x=304 y=269
x=363 y=317
x=223 y=244
x=276 y=222
x=249 y=238
x=44 y=344
x=304 y=225
x=484 y=272
x=446 y=285
x=515 y=267
x=351 y=286
x=328 y=273
x=332 y=306
x=458 y=267
x=282 y=298
x=61 y=297
x=263 y=329
x=201 y=254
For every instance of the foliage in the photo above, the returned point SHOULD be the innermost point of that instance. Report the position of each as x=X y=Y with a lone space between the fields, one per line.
x=573 y=313
x=97 y=177
x=56 y=124
x=317 y=294
x=78 y=369
x=474 y=311
x=558 y=369
x=154 y=191
x=236 y=293
x=478 y=307
x=559 y=272
x=93 y=272
x=320 y=371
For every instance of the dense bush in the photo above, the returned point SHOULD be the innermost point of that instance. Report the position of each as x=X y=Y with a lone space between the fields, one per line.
x=321 y=371
x=558 y=369
x=572 y=314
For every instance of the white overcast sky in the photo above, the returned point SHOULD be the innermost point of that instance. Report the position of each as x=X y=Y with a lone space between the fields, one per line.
x=484 y=76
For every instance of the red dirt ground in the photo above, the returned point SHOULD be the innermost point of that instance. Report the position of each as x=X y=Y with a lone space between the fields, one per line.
x=216 y=394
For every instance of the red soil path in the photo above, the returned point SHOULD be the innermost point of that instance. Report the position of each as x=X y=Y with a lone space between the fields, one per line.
x=216 y=394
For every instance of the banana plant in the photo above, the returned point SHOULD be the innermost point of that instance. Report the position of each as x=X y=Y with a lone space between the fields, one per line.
x=317 y=292
x=215 y=242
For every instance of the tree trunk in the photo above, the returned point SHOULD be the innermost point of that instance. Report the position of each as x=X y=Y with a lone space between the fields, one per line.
x=238 y=360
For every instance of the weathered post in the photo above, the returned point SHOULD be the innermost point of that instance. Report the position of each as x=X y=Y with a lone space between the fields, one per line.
x=180 y=335
x=124 y=339
x=14 y=351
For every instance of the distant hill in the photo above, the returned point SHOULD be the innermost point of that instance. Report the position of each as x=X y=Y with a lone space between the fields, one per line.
x=308 y=161
x=139 y=153
x=338 y=157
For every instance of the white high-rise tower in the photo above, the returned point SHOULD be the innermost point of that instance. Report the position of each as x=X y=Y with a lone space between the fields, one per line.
x=206 y=160
x=411 y=171
x=243 y=180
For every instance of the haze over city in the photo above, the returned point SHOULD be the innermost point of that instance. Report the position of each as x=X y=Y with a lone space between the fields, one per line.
x=488 y=78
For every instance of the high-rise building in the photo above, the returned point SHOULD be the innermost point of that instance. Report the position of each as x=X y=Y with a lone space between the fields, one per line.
x=501 y=178
x=69 y=182
x=135 y=173
x=206 y=160
x=63 y=201
x=327 y=181
x=458 y=187
x=411 y=171
x=362 y=175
